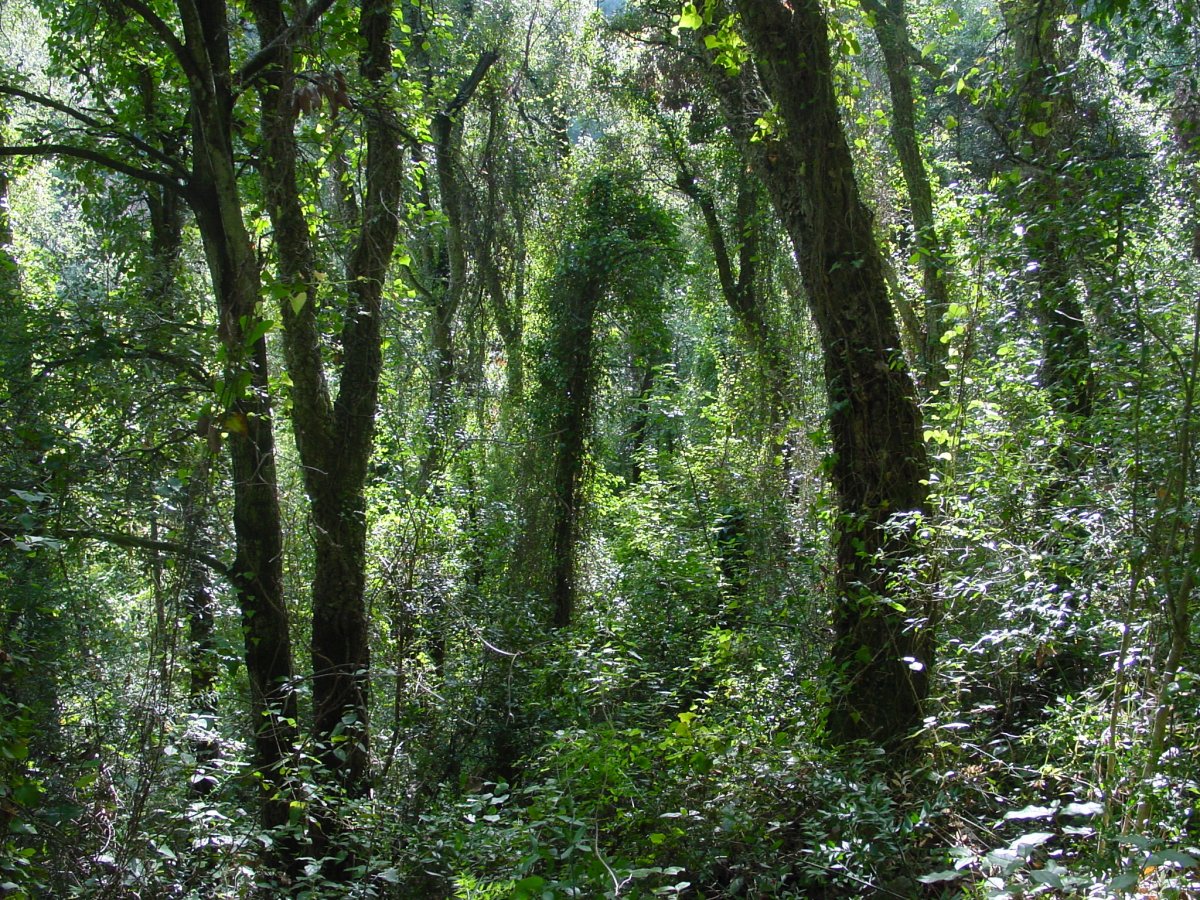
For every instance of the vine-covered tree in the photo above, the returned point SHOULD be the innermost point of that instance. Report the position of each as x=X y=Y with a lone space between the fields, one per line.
x=882 y=651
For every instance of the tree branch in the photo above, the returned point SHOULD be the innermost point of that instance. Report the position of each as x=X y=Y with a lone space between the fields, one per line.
x=105 y=128
x=915 y=56
x=469 y=86
x=185 y=366
x=168 y=37
x=104 y=347
x=133 y=542
x=101 y=159
x=260 y=60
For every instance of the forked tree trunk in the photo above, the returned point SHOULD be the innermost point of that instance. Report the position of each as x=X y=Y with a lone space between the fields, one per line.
x=334 y=436
x=446 y=130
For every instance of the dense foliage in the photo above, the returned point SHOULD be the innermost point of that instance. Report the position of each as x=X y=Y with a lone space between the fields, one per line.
x=535 y=449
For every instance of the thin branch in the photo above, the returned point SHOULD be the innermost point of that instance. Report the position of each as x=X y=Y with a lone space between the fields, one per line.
x=168 y=37
x=100 y=159
x=133 y=542
x=102 y=348
x=105 y=128
x=260 y=60
x=410 y=278
x=184 y=366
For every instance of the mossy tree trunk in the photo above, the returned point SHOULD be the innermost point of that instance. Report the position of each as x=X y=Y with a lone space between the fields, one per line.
x=891 y=30
x=214 y=196
x=1042 y=47
x=334 y=435
x=615 y=255
x=883 y=643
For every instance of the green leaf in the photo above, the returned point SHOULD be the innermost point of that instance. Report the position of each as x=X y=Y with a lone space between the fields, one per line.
x=1040 y=129
x=298 y=300
x=944 y=875
x=1045 y=876
x=527 y=888
x=255 y=330
x=1031 y=812
x=689 y=17
x=1023 y=845
x=1183 y=860
x=27 y=794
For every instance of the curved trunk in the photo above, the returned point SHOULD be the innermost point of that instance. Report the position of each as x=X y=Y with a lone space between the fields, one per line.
x=891 y=30
x=882 y=651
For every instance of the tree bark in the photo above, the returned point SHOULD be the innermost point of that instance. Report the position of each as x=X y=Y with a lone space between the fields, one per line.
x=891 y=30
x=257 y=572
x=490 y=241
x=574 y=344
x=446 y=131
x=334 y=437
x=1045 y=106
x=881 y=654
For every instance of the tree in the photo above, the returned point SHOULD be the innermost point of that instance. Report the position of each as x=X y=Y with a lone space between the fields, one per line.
x=334 y=435
x=617 y=253
x=890 y=22
x=883 y=651
x=447 y=259
x=1043 y=96
x=603 y=622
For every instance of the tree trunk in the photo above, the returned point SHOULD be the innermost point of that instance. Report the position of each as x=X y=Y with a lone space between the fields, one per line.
x=891 y=30
x=202 y=657
x=742 y=296
x=446 y=130
x=619 y=247
x=257 y=569
x=489 y=244
x=166 y=245
x=574 y=342
x=1045 y=108
x=882 y=653
x=334 y=437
